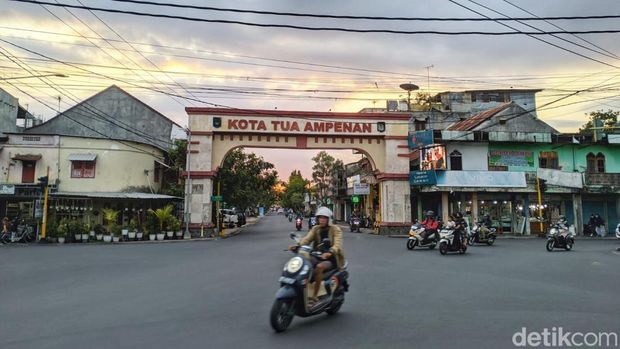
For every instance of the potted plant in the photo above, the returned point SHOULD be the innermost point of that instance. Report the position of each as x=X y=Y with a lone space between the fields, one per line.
x=141 y=231
x=51 y=232
x=175 y=225
x=163 y=217
x=110 y=217
x=74 y=230
x=125 y=231
x=133 y=227
x=85 y=229
x=99 y=231
x=91 y=232
x=116 y=231
x=61 y=231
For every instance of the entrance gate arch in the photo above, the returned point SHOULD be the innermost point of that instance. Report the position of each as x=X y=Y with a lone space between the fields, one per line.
x=382 y=137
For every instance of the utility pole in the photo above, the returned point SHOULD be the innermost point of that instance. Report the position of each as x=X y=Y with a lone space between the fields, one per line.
x=188 y=193
x=45 y=197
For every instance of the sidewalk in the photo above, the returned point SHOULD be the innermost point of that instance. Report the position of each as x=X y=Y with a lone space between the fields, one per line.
x=230 y=232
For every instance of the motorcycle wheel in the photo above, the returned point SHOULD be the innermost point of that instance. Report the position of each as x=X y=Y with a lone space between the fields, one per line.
x=411 y=244
x=5 y=239
x=550 y=245
x=443 y=248
x=470 y=241
x=491 y=241
x=568 y=246
x=281 y=314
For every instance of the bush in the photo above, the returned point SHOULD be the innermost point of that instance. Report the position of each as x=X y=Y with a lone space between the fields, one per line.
x=99 y=229
x=133 y=225
x=115 y=229
x=63 y=229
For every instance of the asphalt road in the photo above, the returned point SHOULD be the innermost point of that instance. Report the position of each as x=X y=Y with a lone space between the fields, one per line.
x=217 y=294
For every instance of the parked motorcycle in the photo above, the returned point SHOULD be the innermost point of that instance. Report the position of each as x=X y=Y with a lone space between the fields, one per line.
x=21 y=233
x=474 y=235
x=618 y=232
x=448 y=242
x=560 y=237
x=297 y=282
x=311 y=222
x=418 y=236
x=355 y=225
x=298 y=222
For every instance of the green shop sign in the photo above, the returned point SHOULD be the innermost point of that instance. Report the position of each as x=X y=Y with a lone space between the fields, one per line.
x=511 y=158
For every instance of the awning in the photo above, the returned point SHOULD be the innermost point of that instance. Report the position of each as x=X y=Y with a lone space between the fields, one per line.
x=481 y=179
x=27 y=157
x=82 y=157
x=112 y=195
x=162 y=163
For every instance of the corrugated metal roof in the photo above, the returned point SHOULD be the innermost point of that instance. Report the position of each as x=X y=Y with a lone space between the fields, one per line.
x=113 y=195
x=82 y=157
x=471 y=123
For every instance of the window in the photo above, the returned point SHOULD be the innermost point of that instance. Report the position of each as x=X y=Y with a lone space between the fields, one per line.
x=420 y=125
x=591 y=162
x=456 y=161
x=548 y=159
x=600 y=163
x=596 y=163
x=157 y=172
x=82 y=169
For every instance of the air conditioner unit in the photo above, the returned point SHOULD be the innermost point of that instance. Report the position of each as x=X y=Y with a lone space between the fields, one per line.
x=392 y=105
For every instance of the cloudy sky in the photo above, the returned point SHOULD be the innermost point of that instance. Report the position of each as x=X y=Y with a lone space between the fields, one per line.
x=242 y=66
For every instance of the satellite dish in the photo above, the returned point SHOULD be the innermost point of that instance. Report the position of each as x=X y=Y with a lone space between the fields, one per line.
x=409 y=87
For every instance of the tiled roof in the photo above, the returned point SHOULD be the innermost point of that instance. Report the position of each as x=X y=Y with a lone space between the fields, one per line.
x=471 y=123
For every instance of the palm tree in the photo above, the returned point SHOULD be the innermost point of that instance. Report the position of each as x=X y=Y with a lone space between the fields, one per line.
x=163 y=215
x=110 y=216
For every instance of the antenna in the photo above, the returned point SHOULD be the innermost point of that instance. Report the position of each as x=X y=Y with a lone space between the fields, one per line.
x=428 y=78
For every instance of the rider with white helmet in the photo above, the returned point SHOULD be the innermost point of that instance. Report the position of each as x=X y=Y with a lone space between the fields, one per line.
x=332 y=256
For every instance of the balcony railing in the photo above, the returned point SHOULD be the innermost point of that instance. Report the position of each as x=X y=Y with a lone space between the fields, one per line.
x=603 y=179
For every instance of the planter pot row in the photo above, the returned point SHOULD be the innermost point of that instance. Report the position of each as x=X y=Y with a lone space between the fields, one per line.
x=129 y=236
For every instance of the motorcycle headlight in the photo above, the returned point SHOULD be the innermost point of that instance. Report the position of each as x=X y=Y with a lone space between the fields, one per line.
x=294 y=265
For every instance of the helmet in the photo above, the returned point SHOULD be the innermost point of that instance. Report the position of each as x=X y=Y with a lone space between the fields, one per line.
x=430 y=214
x=324 y=211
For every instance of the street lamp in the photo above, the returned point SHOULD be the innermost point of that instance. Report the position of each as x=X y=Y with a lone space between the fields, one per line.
x=58 y=75
x=409 y=87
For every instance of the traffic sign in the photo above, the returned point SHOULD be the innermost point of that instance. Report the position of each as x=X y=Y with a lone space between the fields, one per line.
x=355 y=199
x=216 y=198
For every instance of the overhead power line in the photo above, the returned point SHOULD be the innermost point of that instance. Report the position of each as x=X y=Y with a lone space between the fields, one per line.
x=537 y=38
x=382 y=18
x=337 y=29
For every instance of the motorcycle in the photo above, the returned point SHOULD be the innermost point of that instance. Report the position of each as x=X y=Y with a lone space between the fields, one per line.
x=23 y=233
x=447 y=243
x=311 y=222
x=298 y=224
x=474 y=236
x=290 y=217
x=560 y=237
x=417 y=237
x=355 y=225
x=297 y=282
x=618 y=232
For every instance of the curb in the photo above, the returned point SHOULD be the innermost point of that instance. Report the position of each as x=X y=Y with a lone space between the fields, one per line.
x=237 y=231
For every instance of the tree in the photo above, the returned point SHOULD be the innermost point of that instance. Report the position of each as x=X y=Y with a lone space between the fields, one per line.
x=324 y=175
x=247 y=180
x=608 y=120
x=293 y=195
x=173 y=183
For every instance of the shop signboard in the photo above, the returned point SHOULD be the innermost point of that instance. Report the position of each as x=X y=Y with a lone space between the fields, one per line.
x=511 y=158
x=361 y=189
x=433 y=158
x=420 y=139
x=422 y=178
x=7 y=189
